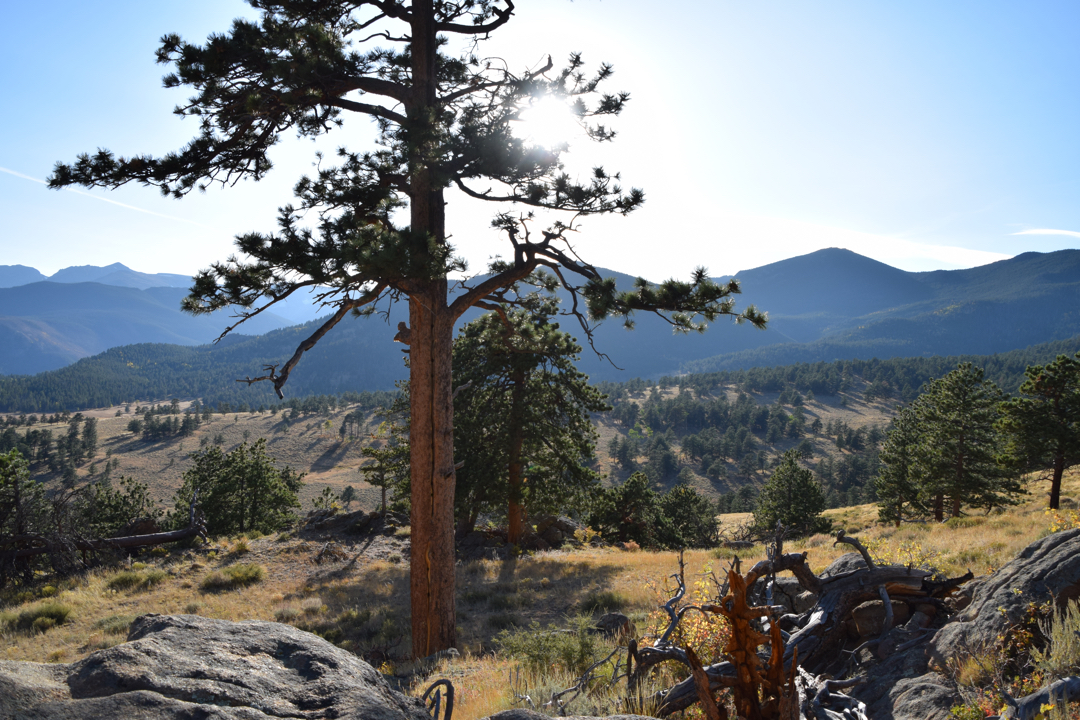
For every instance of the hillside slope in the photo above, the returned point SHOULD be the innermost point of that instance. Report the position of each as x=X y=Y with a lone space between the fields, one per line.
x=826 y=305
x=47 y=325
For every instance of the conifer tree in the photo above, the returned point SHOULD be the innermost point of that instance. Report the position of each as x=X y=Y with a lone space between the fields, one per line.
x=445 y=120
x=239 y=491
x=521 y=420
x=957 y=453
x=1042 y=426
x=389 y=468
x=792 y=497
x=900 y=494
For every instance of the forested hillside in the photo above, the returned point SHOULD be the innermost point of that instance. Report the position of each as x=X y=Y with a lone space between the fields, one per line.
x=838 y=305
x=350 y=359
x=48 y=325
x=828 y=305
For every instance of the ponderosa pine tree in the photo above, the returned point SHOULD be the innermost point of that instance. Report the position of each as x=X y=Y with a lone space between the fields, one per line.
x=389 y=468
x=900 y=495
x=445 y=121
x=239 y=491
x=1042 y=426
x=792 y=497
x=521 y=419
x=957 y=452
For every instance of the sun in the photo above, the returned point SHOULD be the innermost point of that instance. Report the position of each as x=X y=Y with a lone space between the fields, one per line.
x=548 y=122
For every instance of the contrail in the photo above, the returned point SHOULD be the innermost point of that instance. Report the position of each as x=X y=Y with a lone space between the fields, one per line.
x=103 y=199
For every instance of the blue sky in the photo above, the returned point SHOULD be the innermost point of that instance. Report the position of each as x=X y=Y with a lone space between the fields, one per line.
x=923 y=134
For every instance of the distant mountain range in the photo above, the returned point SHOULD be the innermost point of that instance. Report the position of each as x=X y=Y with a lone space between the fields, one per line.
x=49 y=322
x=830 y=304
x=837 y=305
x=115 y=274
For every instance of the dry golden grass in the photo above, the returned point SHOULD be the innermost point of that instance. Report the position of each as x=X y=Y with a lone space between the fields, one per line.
x=309 y=444
x=848 y=408
x=363 y=606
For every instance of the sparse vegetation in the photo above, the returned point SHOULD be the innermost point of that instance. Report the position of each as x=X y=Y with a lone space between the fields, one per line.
x=136 y=579
x=233 y=577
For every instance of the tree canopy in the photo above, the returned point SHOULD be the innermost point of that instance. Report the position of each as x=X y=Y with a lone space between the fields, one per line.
x=791 y=497
x=957 y=454
x=522 y=417
x=946 y=445
x=239 y=491
x=445 y=116
x=1042 y=425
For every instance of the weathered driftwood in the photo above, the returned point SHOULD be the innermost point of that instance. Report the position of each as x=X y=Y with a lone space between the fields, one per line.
x=817 y=636
x=27 y=545
x=789 y=679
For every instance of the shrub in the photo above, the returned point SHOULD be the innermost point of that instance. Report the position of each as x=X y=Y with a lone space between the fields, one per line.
x=136 y=579
x=114 y=624
x=572 y=650
x=232 y=577
x=604 y=601
x=43 y=616
x=1061 y=657
x=286 y=614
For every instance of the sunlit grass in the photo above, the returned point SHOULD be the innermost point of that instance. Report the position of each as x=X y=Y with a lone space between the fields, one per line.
x=364 y=607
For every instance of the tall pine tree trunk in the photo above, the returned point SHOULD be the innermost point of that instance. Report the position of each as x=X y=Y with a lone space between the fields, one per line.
x=939 y=507
x=1055 y=483
x=431 y=434
x=431 y=441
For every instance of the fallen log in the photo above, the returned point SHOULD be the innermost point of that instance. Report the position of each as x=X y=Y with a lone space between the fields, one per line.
x=119 y=542
x=816 y=637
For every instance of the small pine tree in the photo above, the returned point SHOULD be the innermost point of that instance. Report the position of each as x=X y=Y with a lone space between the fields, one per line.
x=897 y=484
x=239 y=491
x=791 y=497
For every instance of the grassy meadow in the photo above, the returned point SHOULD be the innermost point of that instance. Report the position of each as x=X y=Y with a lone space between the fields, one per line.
x=361 y=603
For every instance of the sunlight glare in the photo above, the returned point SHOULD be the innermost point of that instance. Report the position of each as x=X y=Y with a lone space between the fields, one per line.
x=548 y=122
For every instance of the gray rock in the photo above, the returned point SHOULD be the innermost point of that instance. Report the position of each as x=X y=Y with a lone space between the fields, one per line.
x=786 y=592
x=614 y=624
x=919 y=621
x=553 y=536
x=1048 y=569
x=927 y=697
x=530 y=715
x=848 y=562
x=869 y=617
x=185 y=666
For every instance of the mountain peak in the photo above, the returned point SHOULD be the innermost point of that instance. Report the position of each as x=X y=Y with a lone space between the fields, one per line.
x=15 y=275
x=86 y=273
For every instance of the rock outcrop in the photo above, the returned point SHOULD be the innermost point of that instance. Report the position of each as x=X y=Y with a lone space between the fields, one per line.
x=1048 y=570
x=177 y=667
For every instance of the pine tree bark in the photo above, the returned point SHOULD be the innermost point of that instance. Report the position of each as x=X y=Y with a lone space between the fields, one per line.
x=1055 y=483
x=431 y=435
x=431 y=440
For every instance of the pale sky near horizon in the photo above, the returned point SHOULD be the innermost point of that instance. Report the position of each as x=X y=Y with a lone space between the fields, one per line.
x=923 y=134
